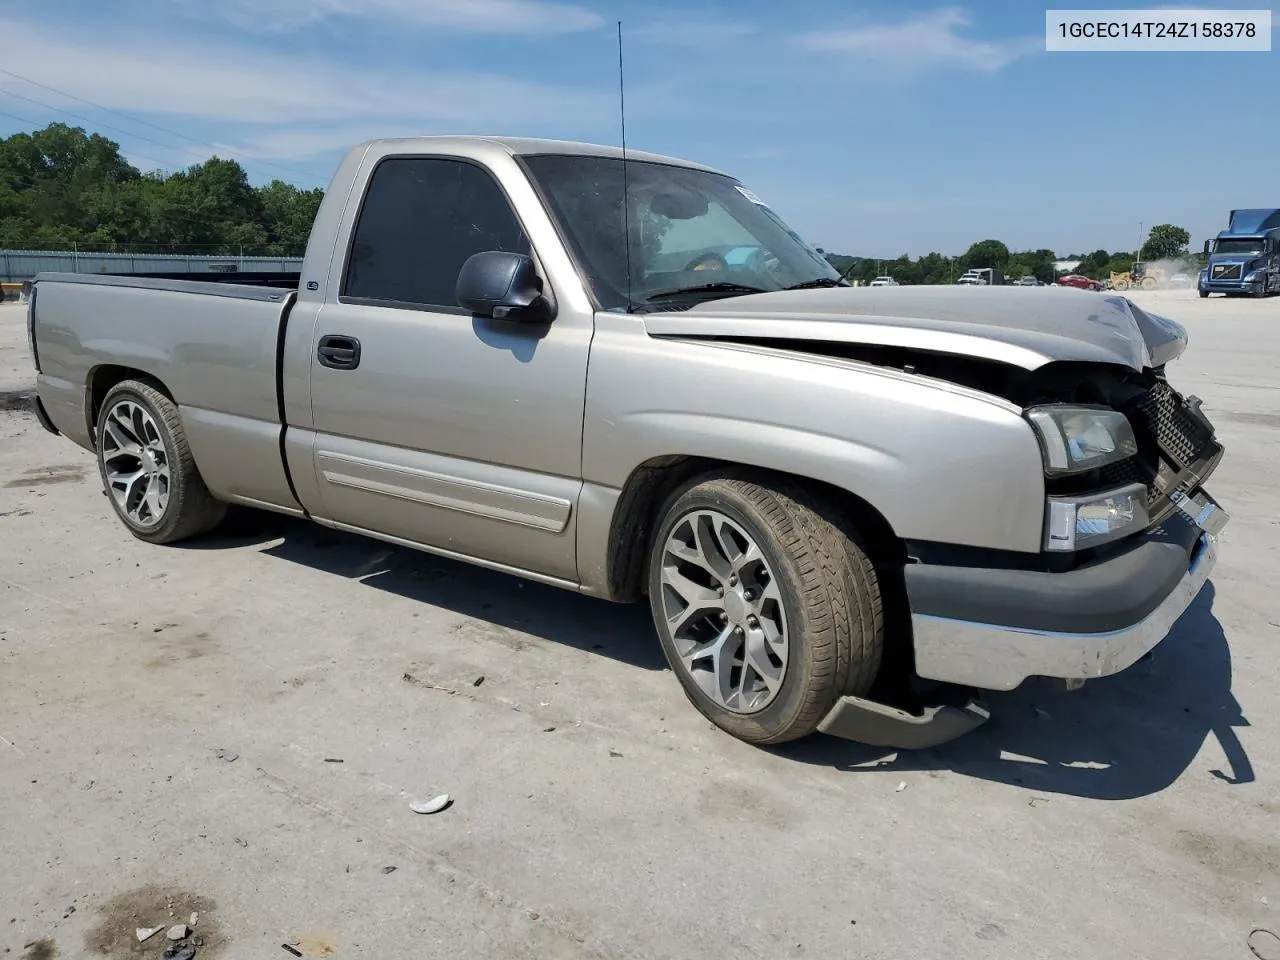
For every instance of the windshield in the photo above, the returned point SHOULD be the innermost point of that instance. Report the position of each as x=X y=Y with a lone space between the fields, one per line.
x=1250 y=246
x=689 y=228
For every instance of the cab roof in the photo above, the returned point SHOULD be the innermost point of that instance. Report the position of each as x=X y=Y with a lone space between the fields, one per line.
x=530 y=146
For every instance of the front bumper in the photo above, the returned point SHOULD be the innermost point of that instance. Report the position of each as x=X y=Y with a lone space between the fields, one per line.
x=994 y=628
x=1229 y=286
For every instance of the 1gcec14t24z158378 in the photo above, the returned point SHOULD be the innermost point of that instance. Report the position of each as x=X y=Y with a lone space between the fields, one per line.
x=850 y=510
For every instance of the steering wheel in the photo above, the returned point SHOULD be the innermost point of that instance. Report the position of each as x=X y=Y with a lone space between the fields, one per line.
x=707 y=261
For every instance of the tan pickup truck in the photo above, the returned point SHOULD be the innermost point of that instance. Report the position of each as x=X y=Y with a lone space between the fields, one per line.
x=851 y=510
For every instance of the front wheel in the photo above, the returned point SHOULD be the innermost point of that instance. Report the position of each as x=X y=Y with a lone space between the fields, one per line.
x=1204 y=294
x=767 y=609
x=147 y=469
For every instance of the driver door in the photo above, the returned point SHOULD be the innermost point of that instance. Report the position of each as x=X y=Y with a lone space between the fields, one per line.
x=435 y=427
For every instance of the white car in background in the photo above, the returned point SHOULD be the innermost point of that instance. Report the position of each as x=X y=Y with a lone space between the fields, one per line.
x=884 y=282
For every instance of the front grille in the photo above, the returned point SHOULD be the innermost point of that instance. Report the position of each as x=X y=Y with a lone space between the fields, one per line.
x=1168 y=418
x=1225 y=271
x=1173 y=435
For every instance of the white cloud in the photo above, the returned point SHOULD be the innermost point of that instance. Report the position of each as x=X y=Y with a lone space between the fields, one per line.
x=132 y=72
x=480 y=16
x=929 y=40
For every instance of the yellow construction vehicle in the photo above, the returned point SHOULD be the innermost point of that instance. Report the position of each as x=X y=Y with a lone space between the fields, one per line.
x=1141 y=275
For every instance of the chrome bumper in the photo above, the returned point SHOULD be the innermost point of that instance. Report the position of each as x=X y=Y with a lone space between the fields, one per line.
x=994 y=657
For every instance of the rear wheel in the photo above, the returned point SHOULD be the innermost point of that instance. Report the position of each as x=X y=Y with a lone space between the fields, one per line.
x=147 y=469
x=1204 y=294
x=768 y=611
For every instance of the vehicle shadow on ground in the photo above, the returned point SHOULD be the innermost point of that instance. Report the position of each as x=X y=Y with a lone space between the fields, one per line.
x=1117 y=738
x=1121 y=737
x=622 y=632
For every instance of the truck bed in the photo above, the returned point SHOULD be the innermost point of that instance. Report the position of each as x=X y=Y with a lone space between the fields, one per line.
x=215 y=344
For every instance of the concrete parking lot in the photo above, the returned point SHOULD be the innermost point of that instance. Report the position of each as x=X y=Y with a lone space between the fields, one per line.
x=595 y=813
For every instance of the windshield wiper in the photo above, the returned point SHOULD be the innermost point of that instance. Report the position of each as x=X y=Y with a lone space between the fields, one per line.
x=820 y=282
x=718 y=287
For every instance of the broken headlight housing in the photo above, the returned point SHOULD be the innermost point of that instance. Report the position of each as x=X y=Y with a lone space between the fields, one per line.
x=1075 y=439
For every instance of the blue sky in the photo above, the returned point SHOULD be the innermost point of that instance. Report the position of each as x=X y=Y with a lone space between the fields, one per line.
x=874 y=128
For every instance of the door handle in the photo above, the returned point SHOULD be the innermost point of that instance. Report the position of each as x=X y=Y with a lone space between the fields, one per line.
x=339 y=352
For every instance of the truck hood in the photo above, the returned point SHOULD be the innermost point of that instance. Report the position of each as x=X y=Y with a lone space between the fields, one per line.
x=1025 y=327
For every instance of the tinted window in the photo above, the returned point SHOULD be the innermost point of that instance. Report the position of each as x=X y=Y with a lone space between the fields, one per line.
x=421 y=219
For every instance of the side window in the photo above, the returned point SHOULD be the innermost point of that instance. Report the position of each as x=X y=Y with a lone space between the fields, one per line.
x=420 y=220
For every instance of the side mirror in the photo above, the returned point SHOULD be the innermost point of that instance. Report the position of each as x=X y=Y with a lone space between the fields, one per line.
x=504 y=286
x=1206 y=248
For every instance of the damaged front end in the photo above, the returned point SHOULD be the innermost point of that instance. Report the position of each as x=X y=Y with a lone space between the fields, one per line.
x=1128 y=536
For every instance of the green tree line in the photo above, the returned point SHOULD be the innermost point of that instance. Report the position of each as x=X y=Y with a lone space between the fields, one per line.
x=62 y=187
x=1164 y=242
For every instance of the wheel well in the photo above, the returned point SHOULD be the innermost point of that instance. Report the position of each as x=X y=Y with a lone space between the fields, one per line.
x=102 y=379
x=636 y=517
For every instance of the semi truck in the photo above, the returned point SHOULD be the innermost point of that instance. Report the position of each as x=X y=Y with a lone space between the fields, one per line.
x=848 y=509
x=1244 y=258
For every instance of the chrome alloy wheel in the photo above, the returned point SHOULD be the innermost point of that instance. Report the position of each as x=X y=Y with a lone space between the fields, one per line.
x=135 y=463
x=724 y=610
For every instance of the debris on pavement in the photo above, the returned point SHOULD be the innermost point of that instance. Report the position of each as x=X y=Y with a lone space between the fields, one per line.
x=1264 y=944
x=179 y=951
x=227 y=756
x=478 y=680
x=294 y=950
x=386 y=869
x=146 y=933
x=194 y=918
x=334 y=760
x=614 y=753
x=179 y=931
x=243 y=843
x=900 y=787
x=434 y=805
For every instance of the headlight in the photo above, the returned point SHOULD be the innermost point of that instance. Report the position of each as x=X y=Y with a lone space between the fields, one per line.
x=1077 y=523
x=1076 y=439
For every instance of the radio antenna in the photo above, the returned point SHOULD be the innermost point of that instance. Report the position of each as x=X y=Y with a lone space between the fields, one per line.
x=626 y=195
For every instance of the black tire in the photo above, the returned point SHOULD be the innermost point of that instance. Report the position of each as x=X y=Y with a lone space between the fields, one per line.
x=830 y=596
x=191 y=509
x=1204 y=294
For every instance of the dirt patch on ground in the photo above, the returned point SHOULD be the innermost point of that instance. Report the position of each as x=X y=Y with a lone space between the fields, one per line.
x=40 y=950
x=180 y=646
x=43 y=476
x=22 y=401
x=115 y=936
